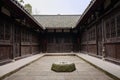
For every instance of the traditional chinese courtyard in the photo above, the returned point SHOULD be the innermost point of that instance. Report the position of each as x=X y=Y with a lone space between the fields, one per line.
x=30 y=44
x=41 y=70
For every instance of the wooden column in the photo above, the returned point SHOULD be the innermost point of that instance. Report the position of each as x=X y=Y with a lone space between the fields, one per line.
x=12 y=39
x=103 y=40
x=31 y=43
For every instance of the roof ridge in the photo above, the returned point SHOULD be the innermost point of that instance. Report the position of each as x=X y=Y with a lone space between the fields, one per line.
x=57 y=15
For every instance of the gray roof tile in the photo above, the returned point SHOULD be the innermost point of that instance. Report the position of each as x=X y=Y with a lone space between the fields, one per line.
x=57 y=21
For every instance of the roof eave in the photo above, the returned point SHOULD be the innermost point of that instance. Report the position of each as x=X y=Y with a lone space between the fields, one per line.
x=86 y=11
x=21 y=8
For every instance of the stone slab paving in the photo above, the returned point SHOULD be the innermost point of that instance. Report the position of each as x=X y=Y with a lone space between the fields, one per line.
x=102 y=64
x=10 y=67
x=41 y=70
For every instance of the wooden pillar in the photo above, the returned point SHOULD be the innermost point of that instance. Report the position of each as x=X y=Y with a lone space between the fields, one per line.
x=103 y=40
x=97 y=36
x=20 y=37
x=0 y=9
x=86 y=31
x=11 y=35
x=31 y=51
x=1 y=4
x=13 y=41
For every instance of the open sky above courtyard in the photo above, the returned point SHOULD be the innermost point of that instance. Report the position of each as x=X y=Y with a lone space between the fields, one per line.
x=53 y=7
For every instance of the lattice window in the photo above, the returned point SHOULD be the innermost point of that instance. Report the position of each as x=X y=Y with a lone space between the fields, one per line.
x=66 y=30
x=17 y=34
x=84 y=39
x=118 y=26
x=51 y=30
x=89 y=35
x=1 y=30
x=27 y=36
x=34 y=38
x=99 y=29
x=92 y=35
x=7 y=31
x=67 y=40
x=22 y=36
x=107 y=3
x=107 y=28
x=50 y=40
x=113 y=28
x=58 y=40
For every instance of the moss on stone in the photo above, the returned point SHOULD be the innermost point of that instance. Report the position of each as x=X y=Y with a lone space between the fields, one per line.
x=63 y=67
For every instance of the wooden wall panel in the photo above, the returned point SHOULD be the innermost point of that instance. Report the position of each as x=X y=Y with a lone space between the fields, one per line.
x=59 y=42
x=92 y=49
x=5 y=52
x=110 y=51
x=118 y=51
x=17 y=36
x=52 y=48
x=84 y=48
x=67 y=47
x=25 y=50
x=113 y=51
x=35 y=49
x=59 y=48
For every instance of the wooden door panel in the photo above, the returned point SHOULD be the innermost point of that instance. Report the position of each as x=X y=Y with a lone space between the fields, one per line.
x=59 y=44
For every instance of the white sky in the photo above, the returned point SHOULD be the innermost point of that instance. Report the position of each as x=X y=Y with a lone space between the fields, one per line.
x=53 y=7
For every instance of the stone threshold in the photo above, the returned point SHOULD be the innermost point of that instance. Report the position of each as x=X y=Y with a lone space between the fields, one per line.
x=60 y=54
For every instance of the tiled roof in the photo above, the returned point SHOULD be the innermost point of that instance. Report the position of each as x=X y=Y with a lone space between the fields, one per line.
x=57 y=21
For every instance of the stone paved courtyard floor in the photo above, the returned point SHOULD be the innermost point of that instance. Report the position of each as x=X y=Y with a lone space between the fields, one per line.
x=41 y=70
